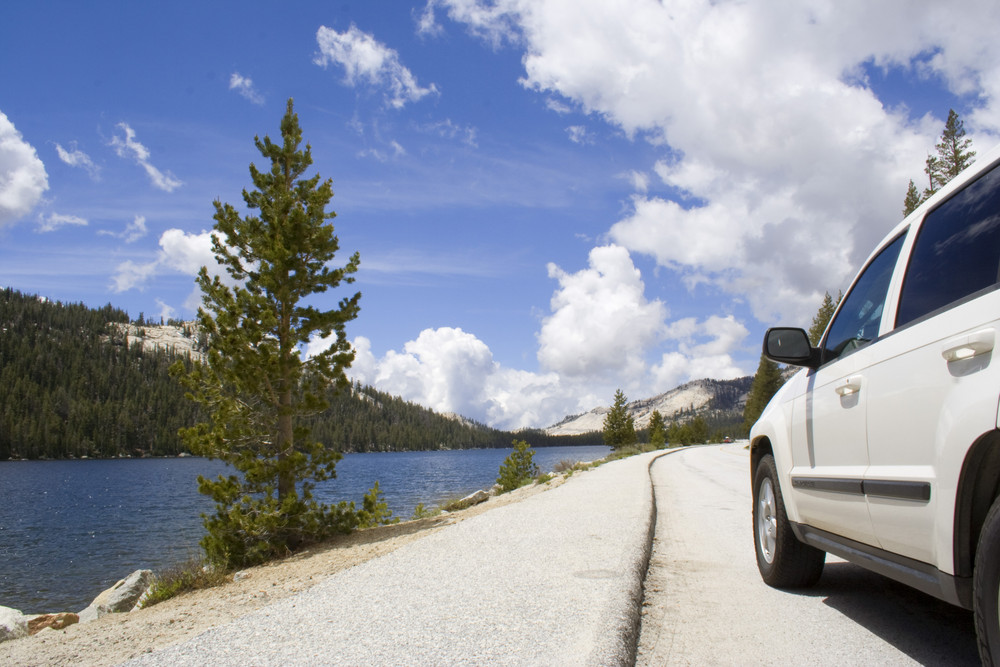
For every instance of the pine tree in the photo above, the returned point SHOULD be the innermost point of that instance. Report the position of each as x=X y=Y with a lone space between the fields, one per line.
x=657 y=430
x=518 y=468
x=766 y=382
x=953 y=156
x=912 y=200
x=822 y=317
x=953 y=150
x=619 y=427
x=255 y=384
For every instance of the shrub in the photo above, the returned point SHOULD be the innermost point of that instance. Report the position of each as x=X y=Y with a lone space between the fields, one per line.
x=518 y=469
x=191 y=575
x=375 y=510
x=565 y=465
x=421 y=512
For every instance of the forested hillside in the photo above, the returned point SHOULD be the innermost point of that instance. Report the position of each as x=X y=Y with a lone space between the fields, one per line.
x=73 y=385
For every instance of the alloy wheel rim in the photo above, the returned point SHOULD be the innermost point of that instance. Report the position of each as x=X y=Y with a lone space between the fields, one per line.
x=767 y=522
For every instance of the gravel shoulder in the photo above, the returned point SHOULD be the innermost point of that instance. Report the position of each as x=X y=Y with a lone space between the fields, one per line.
x=117 y=638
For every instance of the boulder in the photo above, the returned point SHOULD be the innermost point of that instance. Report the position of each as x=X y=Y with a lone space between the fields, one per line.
x=120 y=597
x=13 y=624
x=54 y=621
x=470 y=500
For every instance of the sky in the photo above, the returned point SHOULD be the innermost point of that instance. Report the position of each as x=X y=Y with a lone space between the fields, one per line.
x=552 y=199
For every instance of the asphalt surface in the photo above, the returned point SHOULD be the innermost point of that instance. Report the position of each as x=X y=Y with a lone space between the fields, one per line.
x=707 y=605
x=553 y=580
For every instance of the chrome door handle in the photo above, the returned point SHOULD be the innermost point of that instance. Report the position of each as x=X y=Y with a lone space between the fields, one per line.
x=969 y=345
x=848 y=386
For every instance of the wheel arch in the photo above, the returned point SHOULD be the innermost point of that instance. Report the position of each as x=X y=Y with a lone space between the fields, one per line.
x=978 y=488
x=759 y=448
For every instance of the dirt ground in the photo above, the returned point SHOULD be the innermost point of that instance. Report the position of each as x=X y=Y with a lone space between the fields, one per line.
x=116 y=638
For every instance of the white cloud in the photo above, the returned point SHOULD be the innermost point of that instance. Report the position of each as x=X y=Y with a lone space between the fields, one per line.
x=601 y=323
x=134 y=230
x=244 y=86
x=792 y=166
x=53 y=221
x=639 y=180
x=22 y=174
x=126 y=146
x=166 y=311
x=180 y=252
x=367 y=61
x=452 y=371
x=578 y=134
x=77 y=158
x=704 y=350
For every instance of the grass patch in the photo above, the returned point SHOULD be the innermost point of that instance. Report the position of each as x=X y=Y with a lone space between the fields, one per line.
x=190 y=575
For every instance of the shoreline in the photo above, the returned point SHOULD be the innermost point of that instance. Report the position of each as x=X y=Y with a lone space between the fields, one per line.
x=116 y=638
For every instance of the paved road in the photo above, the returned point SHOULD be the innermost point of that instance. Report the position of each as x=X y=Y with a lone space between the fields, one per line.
x=706 y=604
x=553 y=580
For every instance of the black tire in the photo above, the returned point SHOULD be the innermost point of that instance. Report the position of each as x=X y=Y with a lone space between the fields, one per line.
x=783 y=561
x=986 y=588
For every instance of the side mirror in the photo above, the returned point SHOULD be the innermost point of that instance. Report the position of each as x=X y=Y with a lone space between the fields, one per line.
x=790 y=346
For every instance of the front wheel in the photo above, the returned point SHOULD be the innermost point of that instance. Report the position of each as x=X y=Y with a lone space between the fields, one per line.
x=783 y=561
x=986 y=588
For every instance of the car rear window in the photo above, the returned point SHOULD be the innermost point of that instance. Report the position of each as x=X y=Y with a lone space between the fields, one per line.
x=957 y=251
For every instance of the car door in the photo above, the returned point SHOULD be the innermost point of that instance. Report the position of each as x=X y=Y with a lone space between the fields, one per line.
x=933 y=384
x=830 y=449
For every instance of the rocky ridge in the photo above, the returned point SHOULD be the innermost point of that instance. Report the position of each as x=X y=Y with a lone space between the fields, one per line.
x=679 y=404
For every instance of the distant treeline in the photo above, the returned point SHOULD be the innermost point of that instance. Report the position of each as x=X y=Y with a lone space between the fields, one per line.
x=71 y=386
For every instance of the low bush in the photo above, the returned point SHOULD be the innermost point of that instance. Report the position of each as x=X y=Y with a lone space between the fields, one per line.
x=518 y=469
x=193 y=574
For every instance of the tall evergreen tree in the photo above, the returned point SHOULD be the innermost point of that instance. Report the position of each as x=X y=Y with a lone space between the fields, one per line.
x=912 y=200
x=822 y=317
x=657 y=430
x=619 y=426
x=766 y=382
x=255 y=384
x=953 y=156
x=953 y=150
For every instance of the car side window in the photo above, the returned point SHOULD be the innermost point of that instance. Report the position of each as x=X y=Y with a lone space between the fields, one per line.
x=857 y=322
x=957 y=251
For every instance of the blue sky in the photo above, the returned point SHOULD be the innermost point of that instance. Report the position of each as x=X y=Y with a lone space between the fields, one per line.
x=551 y=199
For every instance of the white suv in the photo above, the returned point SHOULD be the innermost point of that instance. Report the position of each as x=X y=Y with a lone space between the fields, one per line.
x=884 y=449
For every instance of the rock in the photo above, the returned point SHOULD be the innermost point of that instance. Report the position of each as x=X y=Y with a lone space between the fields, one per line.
x=53 y=621
x=13 y=624
x=120 y=597
x=470 y=500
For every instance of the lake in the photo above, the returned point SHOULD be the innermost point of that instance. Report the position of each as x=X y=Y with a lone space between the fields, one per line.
x=70 y=529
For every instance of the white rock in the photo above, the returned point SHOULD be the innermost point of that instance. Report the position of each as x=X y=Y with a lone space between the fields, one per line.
x=123 y=596
x=13 y=624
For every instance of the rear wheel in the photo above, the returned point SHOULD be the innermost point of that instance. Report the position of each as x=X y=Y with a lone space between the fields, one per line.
x=986 y=588
x=783 y=561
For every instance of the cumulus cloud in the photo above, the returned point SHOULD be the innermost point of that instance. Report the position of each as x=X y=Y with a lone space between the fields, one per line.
x=704 y=350
x=126 y=146
x=180 y=252
x=53 y=221
x=452 y=371
x=601 y=322
x=22 y=174
x=790 y=164
x=367 y=61
x=77 y=158
x=244 y=86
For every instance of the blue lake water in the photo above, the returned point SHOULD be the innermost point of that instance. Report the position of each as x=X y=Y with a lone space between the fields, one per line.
x=70 y=529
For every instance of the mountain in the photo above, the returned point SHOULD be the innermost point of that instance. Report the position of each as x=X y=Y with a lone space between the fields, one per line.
x=720 y=402
x=79 y=382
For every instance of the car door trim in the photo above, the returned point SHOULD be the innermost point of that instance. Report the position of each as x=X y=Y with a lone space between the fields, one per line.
x=893 y=489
